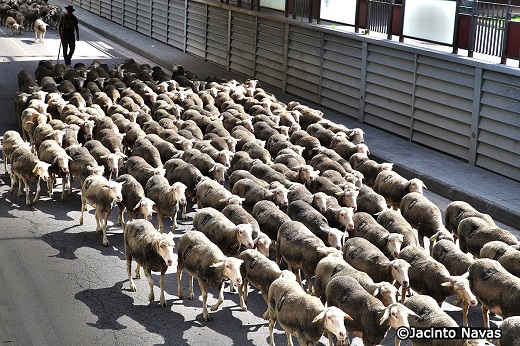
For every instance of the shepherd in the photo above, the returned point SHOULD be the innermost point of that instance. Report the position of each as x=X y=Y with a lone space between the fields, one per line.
x=69 y=33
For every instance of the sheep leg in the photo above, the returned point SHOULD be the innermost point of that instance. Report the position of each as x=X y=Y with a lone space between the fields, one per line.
x=71 y=178
x=310 y=287
x=63 y=188
x=50 y=183
x=231 y=287
x=204 y=291
x=190 y=287
x=159 y=222
x=272 y=322
x=265 y=316
x=174 y=220
x=19 y=194
x=465 y=308
x=397 y=341
x=485 y=316
x=161 y=284
x=220 y=297
x=129 y=272
x=38 y=189
x=120 y=220
x=179 y=286
x=184 y=215
x=148 y=274
x=13 y=182
x=137 y=271
x=241 y=292
x=403 y=294
x=83 y=206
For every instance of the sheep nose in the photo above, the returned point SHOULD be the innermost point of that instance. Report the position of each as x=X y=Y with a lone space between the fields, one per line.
x=169 y=262
x=473 y=302
x=342 y=335
x=405 y=283
x=350 y=226
x=149 y=217
x=239 y=281
x=119 y=199
x=250 y=245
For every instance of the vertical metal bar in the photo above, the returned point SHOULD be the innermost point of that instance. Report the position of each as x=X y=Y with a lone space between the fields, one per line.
x=363 y=82
x=151 y=15
x=255 y=48
x=285 y=56
x=473 y=29
x=505 y=36
x=185 y=43
x=322 y=52
x=356 y=21
x=390 y=20
x=455 y=41
x=414 y=90
x=228 y=62
x=206 y=34
x=475 y=114
x=401 y=36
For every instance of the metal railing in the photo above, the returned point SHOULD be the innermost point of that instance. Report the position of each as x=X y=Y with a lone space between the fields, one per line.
x=479 y=27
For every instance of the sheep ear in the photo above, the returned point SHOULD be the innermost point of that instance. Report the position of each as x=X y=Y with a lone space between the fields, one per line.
x=319 y=317
x=386 y=264
x=376 y=292
x=385 y=316
x=137 y=206
x=447 y=284
x=217 y=265
x=211 y=169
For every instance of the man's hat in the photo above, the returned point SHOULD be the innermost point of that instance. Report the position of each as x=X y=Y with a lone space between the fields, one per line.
x=70 y=8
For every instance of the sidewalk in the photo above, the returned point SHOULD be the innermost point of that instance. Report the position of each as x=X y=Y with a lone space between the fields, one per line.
x=442 y=174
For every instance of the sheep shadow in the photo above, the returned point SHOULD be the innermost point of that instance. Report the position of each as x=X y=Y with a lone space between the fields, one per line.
x=110 y=304
x=28 y=41
x=67 y=243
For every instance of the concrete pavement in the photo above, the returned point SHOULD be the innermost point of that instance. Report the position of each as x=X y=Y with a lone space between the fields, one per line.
x=491 y=193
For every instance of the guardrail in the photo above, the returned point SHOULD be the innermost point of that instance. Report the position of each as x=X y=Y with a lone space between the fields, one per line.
x=476 y=26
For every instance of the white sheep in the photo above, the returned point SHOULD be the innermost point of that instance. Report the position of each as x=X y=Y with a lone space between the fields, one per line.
x=151 y=250
x=204 y=261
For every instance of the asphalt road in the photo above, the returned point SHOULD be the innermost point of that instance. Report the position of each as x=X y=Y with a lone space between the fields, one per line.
x=60 y=286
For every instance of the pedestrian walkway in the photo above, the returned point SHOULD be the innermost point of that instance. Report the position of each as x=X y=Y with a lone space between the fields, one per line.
x=491 y=193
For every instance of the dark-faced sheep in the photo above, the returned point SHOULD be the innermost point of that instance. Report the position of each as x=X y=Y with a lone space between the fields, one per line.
x=507 y=255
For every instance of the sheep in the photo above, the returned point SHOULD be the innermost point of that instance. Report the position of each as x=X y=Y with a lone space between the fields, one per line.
x=366 y=257
x=316 y=223
x=457 y=211
x=222 y=232
x=134 y=200
x=259 y=271
x=145 y=149
x=370 y=201
x=311 y=144
x=334 y=265
x=324 y=135
x=425 y=216
x=285 y=298
x=506 y=255
x=323 y=163
x=210 y=193
x=10 y=23
x=346 y=148
x=101 y=194
x=322 y=184
x=339 y=217
x=269 y=218
x=45 y=131
x=51 y=152
x=268 y=174
x=257 y=151
x=290 y=160
x=369 y=168
x=298 y=247
x=40 y=27
x=150 y=250
x=252 y=193
x=241 y=174
x=475 y=232
x=495 y=288
x=82 y=165
x=142 y=170
x=166 y=197
x=238 y=215
x=112 y=162
x=365 y=226
x=393 y=187
x=205 y=164
x=430 y=315
x=335 y=157
x=204 y=261
x=299 y=192
x=394 y=222
x=450 y=255
x=26 y=167
x=10 y=141
x=427 y=276
x=186 y=173
x=510 y=329
x=371 y=320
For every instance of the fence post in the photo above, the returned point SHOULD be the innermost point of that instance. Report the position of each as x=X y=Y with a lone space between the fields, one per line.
x=363 y=82
x=401 y=36
x=285 y=56
x=456 y=28
x=503 y=56
x=389 y=20
x=185 y=43
x=356 y=21
x=473 y=29
x=228 y=63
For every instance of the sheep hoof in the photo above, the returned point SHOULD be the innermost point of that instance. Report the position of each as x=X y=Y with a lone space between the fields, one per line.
x=163 y=304
x=265 y=316
x=133 y=288
x=190 y=296
x=151 y=297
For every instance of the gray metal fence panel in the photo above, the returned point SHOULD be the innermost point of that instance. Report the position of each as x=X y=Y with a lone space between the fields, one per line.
x=176 y=10
x=196 y=29
x=117 y=11
x=270 y=52
x=159 y=28
x=243 y=43
x=130 y=14
x=216 y=40
x=144 y=17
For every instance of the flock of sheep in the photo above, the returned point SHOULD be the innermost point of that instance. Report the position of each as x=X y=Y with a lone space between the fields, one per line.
x=21 y=15
x=350 y=230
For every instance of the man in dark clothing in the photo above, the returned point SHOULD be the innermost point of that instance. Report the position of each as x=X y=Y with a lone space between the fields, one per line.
x=67 y=25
